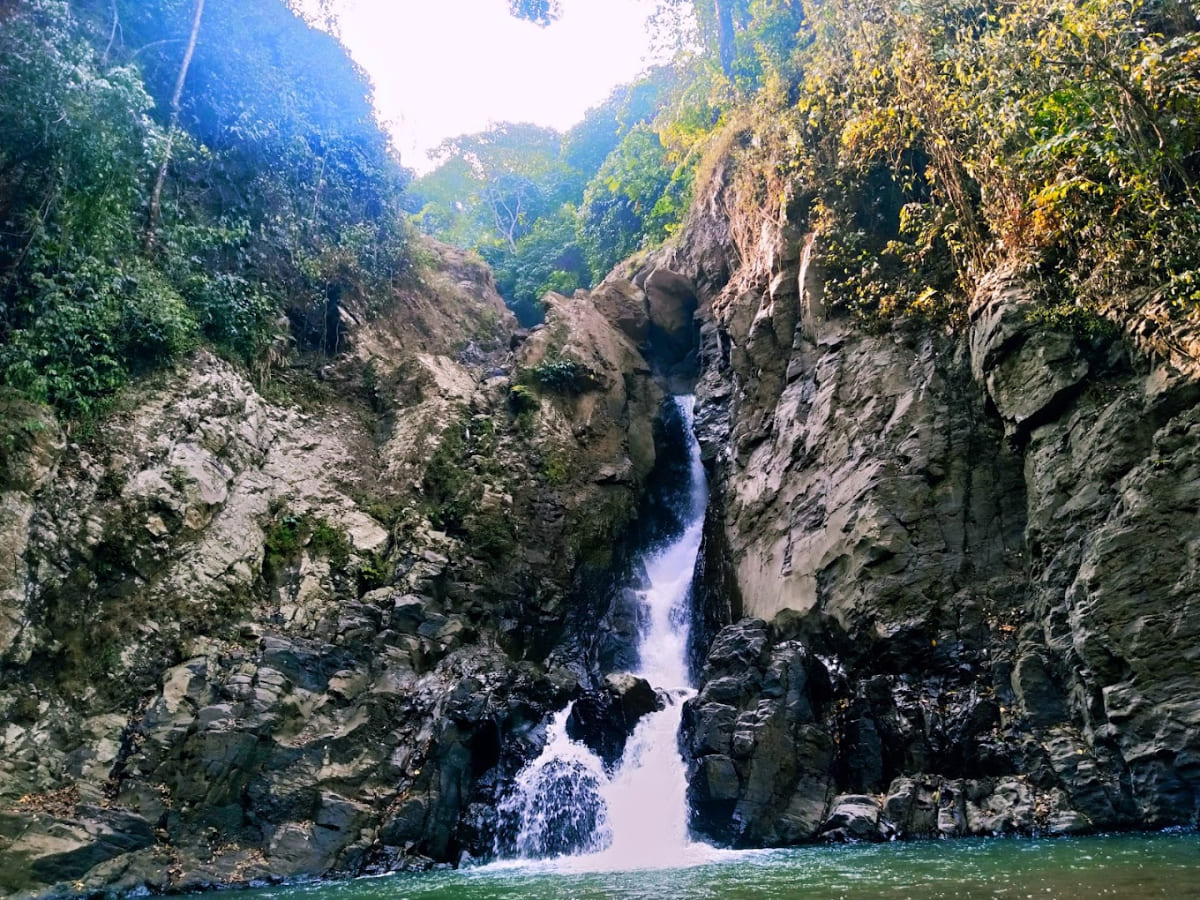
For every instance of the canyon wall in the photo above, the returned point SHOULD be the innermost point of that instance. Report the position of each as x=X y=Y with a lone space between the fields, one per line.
x=311 y=622
x=965 y=558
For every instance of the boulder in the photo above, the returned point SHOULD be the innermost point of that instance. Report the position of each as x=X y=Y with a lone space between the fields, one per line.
x=672 y=302
x=604 y=719
x=853 y=817
x=624 y=304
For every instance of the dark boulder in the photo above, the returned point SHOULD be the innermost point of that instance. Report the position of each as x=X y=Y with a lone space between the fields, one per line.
x=604 y=719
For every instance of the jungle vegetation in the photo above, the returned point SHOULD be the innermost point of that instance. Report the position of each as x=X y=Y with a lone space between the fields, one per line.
x=159 y=190
x=926 y=141
x=178 y=172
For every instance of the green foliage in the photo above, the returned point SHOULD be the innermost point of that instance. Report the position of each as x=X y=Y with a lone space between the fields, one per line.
x=522 y=398
x=22 y=428
x=547 y=258
x=446 y=481
x=941 y=139
x=1078 y=320
x=563 y=375
x=330 y=542
x=539 y=12
x=97 y=323
x=290 y=533
x=232 y=312
x=556 y=466
x=454 y=489
x=491 y=535
x=517 y=174
x=553 y=212
x=524 y=403
x=453 y=483
x=17 y=436
x=754 y=42
x=374 y=571
x=281 y=193
x=636 y=198
x=502 y=192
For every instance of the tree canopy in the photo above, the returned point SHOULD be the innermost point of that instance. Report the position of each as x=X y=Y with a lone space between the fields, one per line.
x=280 y=189
x=556 y=211
x=539 y=12
x=926 y=141
x=159 y=191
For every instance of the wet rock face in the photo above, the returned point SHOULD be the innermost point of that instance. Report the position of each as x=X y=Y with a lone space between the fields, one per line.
x=976 y=533
x=789 y=745
x=760 y=761
x=604 y=719
x=782 y=733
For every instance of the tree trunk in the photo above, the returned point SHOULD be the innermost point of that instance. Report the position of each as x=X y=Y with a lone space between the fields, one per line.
x=725 y=34
x=176 y=96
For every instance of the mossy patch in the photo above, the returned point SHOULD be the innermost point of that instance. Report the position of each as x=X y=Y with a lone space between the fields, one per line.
x=290 y=533
x=599 y=527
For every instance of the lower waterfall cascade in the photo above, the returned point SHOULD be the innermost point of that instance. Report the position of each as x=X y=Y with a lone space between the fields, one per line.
x=567 y=805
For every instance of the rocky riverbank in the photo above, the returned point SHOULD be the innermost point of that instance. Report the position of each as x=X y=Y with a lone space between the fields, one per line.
x=309 y=625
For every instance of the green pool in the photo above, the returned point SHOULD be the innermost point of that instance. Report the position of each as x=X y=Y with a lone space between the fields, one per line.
x=1141 y=865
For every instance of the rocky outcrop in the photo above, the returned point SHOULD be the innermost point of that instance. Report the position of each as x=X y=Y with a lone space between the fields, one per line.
x=314 y=624
x=761 y=758
x=303 y=627
x=604 y=719
x=955 y=549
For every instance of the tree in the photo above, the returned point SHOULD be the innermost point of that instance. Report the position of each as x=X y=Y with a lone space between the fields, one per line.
x=267 y=187
x=529 y=200
x=517 y=176
x=548 y=258
x=173 y=124
x=635 y=198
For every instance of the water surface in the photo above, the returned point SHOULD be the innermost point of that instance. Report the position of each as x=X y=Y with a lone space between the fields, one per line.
x=1142 y=865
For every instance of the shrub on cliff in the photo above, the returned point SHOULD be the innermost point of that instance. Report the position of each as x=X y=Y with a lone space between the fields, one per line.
x=929 y=142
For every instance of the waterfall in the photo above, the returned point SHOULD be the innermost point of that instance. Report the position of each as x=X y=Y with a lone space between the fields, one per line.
x=556 y=798
x=636 y=816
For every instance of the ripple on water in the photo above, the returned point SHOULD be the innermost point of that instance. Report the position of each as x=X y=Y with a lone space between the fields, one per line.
x=1124 y=866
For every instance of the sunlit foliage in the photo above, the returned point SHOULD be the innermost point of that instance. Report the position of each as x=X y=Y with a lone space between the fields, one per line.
x=556 y=212
x=1060 y=135
x=281 y=193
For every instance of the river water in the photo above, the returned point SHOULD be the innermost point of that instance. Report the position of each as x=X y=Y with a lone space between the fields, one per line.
x=1126 y=866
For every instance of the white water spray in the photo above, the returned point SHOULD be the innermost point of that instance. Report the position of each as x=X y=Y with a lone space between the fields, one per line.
x=556 y=797
x=638 y=816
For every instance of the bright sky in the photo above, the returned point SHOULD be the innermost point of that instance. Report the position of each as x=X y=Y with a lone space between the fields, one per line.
x=448 y=67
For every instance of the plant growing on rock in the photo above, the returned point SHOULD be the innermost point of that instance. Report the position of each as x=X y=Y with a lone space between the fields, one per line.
x=565 y=376
x=290 y=533
x=490 y=533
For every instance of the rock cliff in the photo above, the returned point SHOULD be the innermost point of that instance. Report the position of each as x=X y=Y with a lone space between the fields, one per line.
x=311 y=623
x=965 y=559
x=302 y=626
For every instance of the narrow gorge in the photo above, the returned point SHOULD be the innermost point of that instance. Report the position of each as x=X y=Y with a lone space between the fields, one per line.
x=857 y=500
x=944 y=585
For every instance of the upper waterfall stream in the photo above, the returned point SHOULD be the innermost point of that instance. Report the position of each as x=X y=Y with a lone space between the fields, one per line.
x=635 y=816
